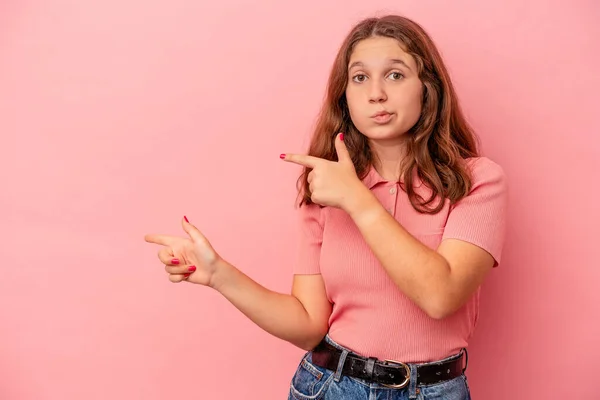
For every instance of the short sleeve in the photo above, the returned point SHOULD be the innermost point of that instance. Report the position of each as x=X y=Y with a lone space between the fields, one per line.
x=311 y=238
x=480 y=217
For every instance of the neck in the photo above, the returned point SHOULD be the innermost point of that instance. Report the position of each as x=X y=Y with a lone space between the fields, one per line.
x=387 y=157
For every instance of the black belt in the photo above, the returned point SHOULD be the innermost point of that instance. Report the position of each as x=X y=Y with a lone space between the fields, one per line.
x=388 y=373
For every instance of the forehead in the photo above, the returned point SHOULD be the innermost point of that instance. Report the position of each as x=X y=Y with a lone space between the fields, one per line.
x=377 y=50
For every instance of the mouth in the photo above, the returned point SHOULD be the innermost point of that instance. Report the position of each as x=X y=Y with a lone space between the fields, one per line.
x=379 y=114
x=382 y=117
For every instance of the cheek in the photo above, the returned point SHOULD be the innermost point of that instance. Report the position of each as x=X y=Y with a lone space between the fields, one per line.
x=414 y=108
x=354 y=105
x=410 y=103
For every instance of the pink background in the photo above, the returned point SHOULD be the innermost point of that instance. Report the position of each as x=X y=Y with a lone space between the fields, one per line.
x=119 y=117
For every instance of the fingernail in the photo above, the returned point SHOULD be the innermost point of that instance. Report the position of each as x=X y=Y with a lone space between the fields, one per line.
x=282 y=156
x=192 y=268
x=341 y=136
x=175 y=261
x=186 y=220
x=185 y=276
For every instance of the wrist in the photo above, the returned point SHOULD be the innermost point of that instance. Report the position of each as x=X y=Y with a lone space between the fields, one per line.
x=219 y=275
x=361 y=202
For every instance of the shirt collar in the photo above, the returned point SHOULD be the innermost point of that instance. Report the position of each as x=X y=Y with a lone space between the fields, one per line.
x=373 y=178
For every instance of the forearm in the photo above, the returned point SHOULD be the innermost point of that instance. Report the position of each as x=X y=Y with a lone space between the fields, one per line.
x=281 y=315
x=420 y=272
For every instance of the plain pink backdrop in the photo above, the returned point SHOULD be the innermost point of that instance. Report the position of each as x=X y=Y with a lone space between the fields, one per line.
x=119 y=117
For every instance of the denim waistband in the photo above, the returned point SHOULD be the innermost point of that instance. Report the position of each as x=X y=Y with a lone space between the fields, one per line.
x=412 y=388
x=329 y=340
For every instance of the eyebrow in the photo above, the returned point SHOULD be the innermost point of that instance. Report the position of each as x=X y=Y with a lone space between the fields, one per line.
x=391 y=61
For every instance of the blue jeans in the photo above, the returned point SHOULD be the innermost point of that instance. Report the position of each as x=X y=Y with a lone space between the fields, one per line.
x=311 y=382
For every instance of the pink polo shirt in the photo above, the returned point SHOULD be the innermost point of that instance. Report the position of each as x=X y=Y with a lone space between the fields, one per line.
x=371 y=316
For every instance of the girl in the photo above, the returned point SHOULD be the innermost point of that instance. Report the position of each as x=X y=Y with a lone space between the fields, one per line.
x=401 y=221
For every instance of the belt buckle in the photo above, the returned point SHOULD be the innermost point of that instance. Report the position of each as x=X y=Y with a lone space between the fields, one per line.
x=403 y=384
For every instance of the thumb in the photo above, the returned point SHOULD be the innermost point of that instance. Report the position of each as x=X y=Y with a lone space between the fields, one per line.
x=342 y=150
x=191 y=230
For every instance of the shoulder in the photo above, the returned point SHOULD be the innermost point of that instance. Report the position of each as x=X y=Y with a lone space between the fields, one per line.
x=480 y=217
x=486 y=172
x=489 y=184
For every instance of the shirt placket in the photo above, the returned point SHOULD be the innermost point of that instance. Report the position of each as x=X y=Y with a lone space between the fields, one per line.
x=392 y=198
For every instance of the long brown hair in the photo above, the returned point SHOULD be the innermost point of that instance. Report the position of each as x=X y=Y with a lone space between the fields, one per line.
x=438 y=143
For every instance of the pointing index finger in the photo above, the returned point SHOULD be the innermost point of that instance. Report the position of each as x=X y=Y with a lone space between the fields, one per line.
x=165 y=240
x=301 y=159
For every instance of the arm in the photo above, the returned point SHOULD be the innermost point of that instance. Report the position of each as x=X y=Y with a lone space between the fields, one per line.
x=300 y=318
x=438 y=280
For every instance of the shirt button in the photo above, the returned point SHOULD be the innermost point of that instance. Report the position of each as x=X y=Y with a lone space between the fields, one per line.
x=392 y=190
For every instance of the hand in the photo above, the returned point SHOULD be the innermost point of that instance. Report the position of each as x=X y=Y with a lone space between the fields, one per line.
x=331 y=183
x=192 y=259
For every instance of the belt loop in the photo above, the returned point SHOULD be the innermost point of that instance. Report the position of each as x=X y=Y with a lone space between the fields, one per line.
x=466 y=359
x=412 y=385
x=370 y=367
x=340 y=366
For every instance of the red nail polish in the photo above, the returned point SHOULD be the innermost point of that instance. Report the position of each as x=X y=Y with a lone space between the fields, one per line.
x=185 y=276
x=341 y=136
x=175 y=261
x=192 y=268
x=282 y=156
x=186 y=220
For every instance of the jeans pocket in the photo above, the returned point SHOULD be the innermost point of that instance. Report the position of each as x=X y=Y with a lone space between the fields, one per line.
x=310 y=382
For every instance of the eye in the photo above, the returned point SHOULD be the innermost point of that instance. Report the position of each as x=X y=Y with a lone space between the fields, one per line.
x=359 y=78
x=396 y=76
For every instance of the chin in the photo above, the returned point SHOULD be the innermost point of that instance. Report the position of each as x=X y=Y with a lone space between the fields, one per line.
x=384 y=132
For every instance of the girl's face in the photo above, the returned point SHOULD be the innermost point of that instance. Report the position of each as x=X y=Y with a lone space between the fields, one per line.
x=384 y=91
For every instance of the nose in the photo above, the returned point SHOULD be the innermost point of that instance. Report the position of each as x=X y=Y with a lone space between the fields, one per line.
x=377 y=92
